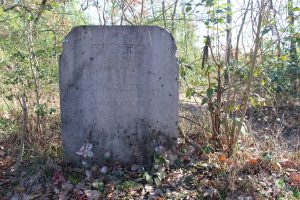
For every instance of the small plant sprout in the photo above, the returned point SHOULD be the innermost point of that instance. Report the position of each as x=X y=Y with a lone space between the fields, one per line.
x=86 y=153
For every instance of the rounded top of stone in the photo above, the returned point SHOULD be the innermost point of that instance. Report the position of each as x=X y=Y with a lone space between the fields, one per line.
x=84 y=28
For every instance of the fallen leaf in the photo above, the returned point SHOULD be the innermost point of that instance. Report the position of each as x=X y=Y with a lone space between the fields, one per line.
x=57 y=178
x=253 y=161
x=65 y=189
x=295 y=178
x=88 y=174
x=2 y=153
x=222 y=158
x=288 y=164
x=92 y=194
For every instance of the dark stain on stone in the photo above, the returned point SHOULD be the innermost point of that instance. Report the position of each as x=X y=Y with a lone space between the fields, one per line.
x=91 y=58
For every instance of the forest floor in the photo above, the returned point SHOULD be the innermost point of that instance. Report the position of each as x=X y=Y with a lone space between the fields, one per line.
x=266 y=165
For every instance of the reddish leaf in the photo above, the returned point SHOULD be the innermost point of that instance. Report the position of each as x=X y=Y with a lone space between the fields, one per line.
x=57 y=178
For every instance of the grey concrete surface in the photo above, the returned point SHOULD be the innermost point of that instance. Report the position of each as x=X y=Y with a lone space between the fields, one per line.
x=118 y=91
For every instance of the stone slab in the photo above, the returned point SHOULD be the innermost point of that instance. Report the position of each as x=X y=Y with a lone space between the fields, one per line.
x=118 y=91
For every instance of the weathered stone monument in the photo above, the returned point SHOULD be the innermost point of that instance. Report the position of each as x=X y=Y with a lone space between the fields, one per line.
x=119 y=92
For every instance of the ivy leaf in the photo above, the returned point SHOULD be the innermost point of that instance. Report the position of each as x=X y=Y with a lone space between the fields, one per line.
x=208 y=2
x=266 y=30
x=207 y=149
x=204 y=101
x=210 y=92
x=189 y=93
x=99 y=185
x=148 y=177
x=187 y=9
x=52 y=110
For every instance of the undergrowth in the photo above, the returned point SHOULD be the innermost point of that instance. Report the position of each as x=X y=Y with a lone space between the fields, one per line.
x=265 y=165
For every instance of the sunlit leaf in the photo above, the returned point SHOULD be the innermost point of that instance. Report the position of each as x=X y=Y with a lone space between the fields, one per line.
x=190 y=92
x=280 y=183
x=157 y=181
x=295 y=9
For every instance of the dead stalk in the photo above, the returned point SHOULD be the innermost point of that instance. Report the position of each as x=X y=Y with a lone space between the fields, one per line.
x=23 y=105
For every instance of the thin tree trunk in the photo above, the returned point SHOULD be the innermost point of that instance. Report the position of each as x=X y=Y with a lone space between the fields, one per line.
x=173 y=17
x=34 y=68
x=278 y=53
x=152 y=9
x=228 y=41
x=98 y=11
x=112 y=15
x=122 y=16
x=294 y=72
x=240 y=32
x=142 y=12
x=103 y=12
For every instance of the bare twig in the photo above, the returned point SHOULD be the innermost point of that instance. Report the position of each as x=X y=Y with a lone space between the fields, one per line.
x=173 y=16
x=194 y=122
x=244 y=103
x=164 y=14
x=240 y=31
